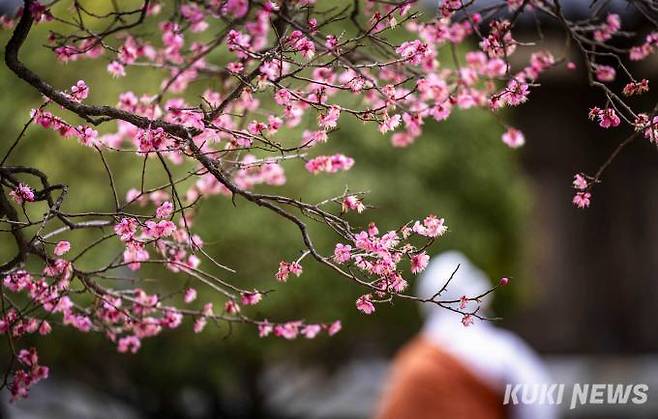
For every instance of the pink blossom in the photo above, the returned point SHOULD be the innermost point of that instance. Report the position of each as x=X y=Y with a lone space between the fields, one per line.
x=256 y=128
x=236 y=8
x=331 y=42
x=516 y=93
x=310 y=138
x=303 y=45
x=44 y=327
x=334 y=328
x=513 y=138
x=116 y=69
x=62 y=247
x=582 y=199
x=330 y=119
x=189 y=295
x=18 y=281
x=431 y=227
x=389 y=123
x=135 y=253
x=79 y=91
x=22 y=194
x=419 y=262
x=353 y=203
x=463 y=302
x=126 y=228
x=579 y=182
x=413 y=51
x=504 y=281
x=164 y=210
x=251 y=298
x=199 y=324
x=329 y=164
x=274 y=123
x=40 y=12
x=23 y=379
x=231 y=307
x=605 y=73
x=606 y=30
x=264 y=328
x=172 y=318
x=636 y=88
x=162 y=228
x=288 y=330
x=342 y=253
x=310 y=331
x=129 y=344
x=467 y=320
x=87 y=136
x=365 y=305
x=608 y=118
x=295 y=268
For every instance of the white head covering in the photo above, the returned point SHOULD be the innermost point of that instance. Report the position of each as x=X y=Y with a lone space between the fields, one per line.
x=467 y=280
x=498 y=357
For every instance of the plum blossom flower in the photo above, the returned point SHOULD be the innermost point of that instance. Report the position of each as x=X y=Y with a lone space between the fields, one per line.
x=264 y=328
x=389 y=123
x=129 y=344
x=79 y=91
x=515 y=93
x=288 y=330
x=353 y=203
x=413 y=51
x=605 y=73
x=431 y=227
x=164 y=210
x=513 y=138
x=636 y=88
x=334 y=328
x=116 y=69
x=467 y=320
x=87 y=136
x=329 y=164
x=23 y=379
x=608 y=28
x=463 y=302
x=172 y=318
x=135 y=253
x=22 y=194
x=579 y=182
x=231 y=307
x=199 y=324
x=608 y=118
x=330 y=119
x=251 y=298
x=62 y=247
x=582 y=199
x=189 y=295
x=419 y=262
x=342 y=253
x=310 y=331
x=126 y=229
x=162 y=228
x=285 y=269
x=364 y=304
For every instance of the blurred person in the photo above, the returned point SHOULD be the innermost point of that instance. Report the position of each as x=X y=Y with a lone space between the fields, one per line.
x=9 y=7
x=454 y=371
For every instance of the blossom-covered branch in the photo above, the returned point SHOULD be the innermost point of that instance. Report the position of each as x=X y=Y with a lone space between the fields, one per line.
x=274 y=66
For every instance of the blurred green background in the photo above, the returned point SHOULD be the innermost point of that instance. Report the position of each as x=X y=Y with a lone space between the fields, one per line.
x=459 y=169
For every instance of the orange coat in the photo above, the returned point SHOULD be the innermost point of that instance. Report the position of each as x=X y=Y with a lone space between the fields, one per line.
x=428 y=383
